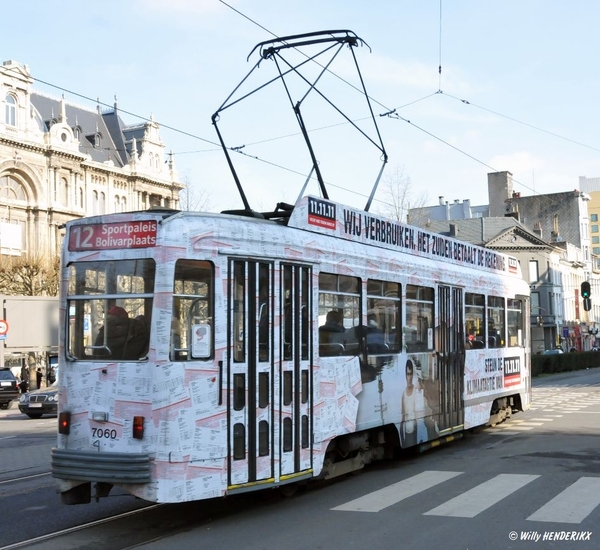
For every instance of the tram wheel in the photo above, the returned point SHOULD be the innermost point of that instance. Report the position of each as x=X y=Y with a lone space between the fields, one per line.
x=288 y=490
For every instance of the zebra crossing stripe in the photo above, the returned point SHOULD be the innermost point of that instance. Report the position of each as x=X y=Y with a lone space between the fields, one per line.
x=378 y=500
x=573 y=505
x=480 y=498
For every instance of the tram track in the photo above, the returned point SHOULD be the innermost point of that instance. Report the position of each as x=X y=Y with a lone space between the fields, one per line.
x=57 y=538
x=25 y=484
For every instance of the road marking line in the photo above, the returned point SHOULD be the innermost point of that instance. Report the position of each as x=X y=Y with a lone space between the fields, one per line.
x=527 y=423
x=573 y=505
x=480 y=498
x=378 y=500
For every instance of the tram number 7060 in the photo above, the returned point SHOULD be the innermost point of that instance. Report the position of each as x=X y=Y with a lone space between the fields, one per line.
x=104 y=433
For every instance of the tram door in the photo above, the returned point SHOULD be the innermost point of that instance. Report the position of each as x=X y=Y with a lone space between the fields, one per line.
x=450 y=357
x=268 y=373
x=250 y=372
x=295 y=415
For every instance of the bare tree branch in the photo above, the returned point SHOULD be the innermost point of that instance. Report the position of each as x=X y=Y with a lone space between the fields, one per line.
x=398 y=195
x=31 y=275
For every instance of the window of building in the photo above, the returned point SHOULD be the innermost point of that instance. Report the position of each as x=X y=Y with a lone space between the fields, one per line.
x=10 y=113
x=63 y=195
x=594 y=229
x=595 y=239
x=594 y=217
x=596 y=250
x=534 y=273
x=535 y=304
x=12 y=189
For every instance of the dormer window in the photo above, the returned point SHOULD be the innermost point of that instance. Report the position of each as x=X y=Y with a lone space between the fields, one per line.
x=50 y=122
x=10 y=113
x=95 y=139
x=76 y=132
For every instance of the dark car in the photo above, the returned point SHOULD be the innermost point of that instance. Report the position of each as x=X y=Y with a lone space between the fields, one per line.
x=8 y=388
x=553 y=351
x=38 y=402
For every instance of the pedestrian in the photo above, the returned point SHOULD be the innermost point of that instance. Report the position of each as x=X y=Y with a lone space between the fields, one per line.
x=38 y=377
x=51 y=376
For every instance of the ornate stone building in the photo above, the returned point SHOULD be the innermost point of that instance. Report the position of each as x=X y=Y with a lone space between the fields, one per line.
x=59 y=161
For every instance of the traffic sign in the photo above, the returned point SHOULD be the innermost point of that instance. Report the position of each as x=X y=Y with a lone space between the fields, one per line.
x=3 y=327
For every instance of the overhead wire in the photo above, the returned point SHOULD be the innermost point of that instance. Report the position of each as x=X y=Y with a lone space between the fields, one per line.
x=393 y=113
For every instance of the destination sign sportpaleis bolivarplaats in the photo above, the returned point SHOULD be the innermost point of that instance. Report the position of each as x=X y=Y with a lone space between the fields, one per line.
x=112 y=236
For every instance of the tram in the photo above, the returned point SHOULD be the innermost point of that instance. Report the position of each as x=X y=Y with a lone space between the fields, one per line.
x=205 y=354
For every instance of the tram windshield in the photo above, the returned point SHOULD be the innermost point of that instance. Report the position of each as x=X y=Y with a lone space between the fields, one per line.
x=109 y=305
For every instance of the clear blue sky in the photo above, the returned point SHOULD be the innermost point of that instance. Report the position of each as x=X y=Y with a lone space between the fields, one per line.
x=533 y=61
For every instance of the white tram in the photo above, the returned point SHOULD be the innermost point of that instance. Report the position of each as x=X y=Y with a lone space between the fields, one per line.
x=204 y=354
x=207 y=354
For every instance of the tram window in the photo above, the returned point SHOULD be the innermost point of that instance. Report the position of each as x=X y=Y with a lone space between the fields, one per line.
x=263 y=389
x=383 y=317
x=239 y=391
x=305 y=432
x=339 y=314
x=514 y=325
x=496 y=325
x=296 y=311
x=304 y=385
x=419 y=318
x=287 y=434
x=239 y=312
x=109 y=307
x=475 y=320
x=264 y=311
x=287 y=387
x=192 y=317
x=239 y=441
x=263 y=438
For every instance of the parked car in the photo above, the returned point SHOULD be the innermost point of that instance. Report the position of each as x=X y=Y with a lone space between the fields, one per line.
x=8 y=388
x=553 y=351
x=38 y=402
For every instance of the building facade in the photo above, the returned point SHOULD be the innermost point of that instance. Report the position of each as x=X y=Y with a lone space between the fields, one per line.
x=60 y=161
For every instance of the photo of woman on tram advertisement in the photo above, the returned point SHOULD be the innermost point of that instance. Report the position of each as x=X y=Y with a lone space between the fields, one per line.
x=419 y=402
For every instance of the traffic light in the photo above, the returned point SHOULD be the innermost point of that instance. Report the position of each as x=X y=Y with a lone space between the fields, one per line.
x=586 y=291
